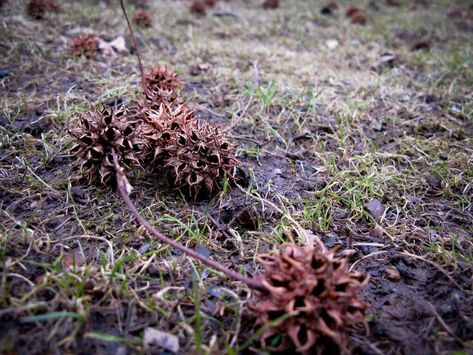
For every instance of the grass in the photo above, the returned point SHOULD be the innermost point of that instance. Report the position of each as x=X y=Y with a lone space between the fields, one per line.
x=320 y=133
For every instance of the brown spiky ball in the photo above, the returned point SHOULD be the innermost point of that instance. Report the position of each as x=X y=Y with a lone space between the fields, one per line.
x=198 y=7
x=158 y=79
x=37 y=9
x=200 y=160
x=359 y=18
x=197 y=156
x=318 y=295
x=158 y=97
x=352 y=9
x=271 y=4
x=210 y=3
x=160 y=128
x=142 y=18
x=87 y=45
x=102 y=132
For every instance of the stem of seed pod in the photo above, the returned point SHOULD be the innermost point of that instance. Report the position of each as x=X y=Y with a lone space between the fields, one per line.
x=124 y=187
x=133 y=39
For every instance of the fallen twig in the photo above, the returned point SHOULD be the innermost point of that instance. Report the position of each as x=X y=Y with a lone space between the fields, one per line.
x=124 y=187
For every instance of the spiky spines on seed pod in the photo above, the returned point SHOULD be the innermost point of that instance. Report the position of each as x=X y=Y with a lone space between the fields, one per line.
x=160 y=128
x=200 y=158
x=319 y=295
x=158 y=97
x=87 y=45
x=161 y=78
x=100 y=133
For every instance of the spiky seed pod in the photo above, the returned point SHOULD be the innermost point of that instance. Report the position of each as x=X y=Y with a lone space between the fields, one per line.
x=359 y=18
x=158 y=97
x=158 y=79
x=316 y=290
x=37 y=9
x=87 y=45
x=142 y=18
x=271 y=4
x=351 y=10
x=161 y=127
x=198 y=7
x=99 y=134
x=210 y=3
x=200 y=158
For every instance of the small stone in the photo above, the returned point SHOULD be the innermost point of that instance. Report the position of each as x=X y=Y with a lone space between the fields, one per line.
x=144 y=248
x=4 y=73
x=331 y=43
x=203 y=251
x=154 y=338
x=375 y=208
x=277 y=171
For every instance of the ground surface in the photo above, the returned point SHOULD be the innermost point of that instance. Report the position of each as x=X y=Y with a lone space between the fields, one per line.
x=360 y=134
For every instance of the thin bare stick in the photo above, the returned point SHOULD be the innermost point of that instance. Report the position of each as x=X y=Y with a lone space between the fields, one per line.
x=124 y=187
x=133 y=39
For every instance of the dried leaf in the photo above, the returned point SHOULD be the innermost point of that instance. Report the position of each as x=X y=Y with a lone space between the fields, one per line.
x=119 y=45
x=393 y=273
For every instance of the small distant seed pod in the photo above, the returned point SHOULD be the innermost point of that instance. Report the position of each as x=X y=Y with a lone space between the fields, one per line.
x=161 y=78
x=271 y=4
x=37 y=9
x=142 y=18
x=359 y=18
x=87 y=45
x=198 y=7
